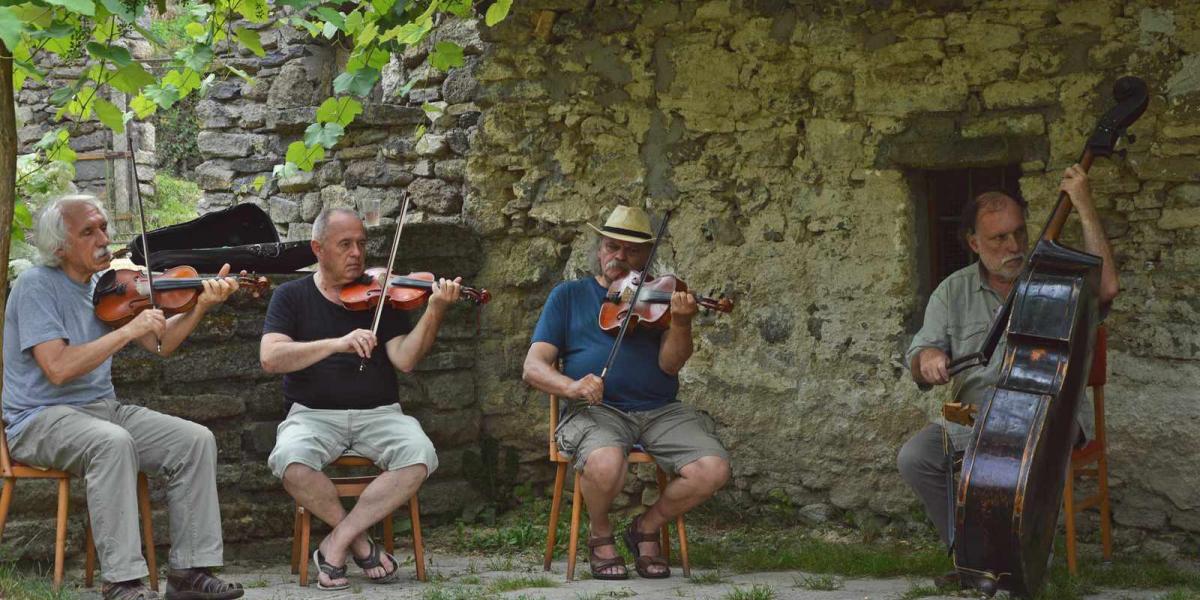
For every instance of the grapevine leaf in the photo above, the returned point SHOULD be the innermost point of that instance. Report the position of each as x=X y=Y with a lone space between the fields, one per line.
x=249 y=38
x=324 y=134
x=446 y=55
x=109 y=114
x=339 y=110
x=497 y=12
x=360 y=82
x=131 y=78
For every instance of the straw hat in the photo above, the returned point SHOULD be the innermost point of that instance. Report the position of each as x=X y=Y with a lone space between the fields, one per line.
x=628 y=224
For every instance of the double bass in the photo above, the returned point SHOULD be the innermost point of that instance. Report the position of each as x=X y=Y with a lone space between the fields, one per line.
x=1014 y=470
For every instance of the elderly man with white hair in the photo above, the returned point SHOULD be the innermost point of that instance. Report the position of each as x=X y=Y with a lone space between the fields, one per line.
x=61 y=411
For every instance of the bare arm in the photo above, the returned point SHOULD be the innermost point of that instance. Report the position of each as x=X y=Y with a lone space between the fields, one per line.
x=62 y=362
x=406 y=351
x=676 y=346
x=1075 y=184
x=542 y=373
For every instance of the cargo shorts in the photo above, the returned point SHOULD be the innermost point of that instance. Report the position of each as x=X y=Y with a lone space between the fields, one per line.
x=384 y=435
x=675 y=434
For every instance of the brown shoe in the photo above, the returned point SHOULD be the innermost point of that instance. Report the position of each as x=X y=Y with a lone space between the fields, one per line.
x=128 y=590
x=200 y=584
x=600 y=565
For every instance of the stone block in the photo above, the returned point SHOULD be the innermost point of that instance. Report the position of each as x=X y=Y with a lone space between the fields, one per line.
x=390 y=115
x=300 y=182
x=436 y=196
x=432 y=145
x=376 y=173
x=451 y=428
x=226 y=145
x=451 y=170
x=259 y=438
x=448 y=498
x=213 y=115
x=1175 y=168
x=336 y=196
x=446 y=360
x=1020 y=94
x=460 y=85
x=1023 y=125
x=290 y=119
x=448 y=389
x=1179 y=218
x=298 y=232
x=291 y=88
x=200 y=408
x=284 y=210
x=213 y=362
x=310 y=206
x=252 y=116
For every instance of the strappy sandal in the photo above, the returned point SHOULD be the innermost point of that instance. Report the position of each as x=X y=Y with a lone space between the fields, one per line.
x=128 y=590
x=599 y=565
x=375 y=559
x=329 y=570
x=633 y=537
x=200 y=584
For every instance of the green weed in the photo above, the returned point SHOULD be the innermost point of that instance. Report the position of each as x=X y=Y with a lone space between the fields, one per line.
x=756 y=592
x=508 y=584
x=823 y=583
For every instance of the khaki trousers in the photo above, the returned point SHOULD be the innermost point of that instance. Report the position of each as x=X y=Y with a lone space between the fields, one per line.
x=107 y=443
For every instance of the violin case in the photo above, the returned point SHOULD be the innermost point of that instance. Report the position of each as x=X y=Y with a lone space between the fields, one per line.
x=242 y=236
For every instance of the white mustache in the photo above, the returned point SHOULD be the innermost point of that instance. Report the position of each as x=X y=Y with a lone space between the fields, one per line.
x=101 y=253
x=1020 y=257
x=614 y=263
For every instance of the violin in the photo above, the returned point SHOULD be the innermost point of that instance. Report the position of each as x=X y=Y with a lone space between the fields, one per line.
x=121 y=294
x=405 y=292
x=653 y=308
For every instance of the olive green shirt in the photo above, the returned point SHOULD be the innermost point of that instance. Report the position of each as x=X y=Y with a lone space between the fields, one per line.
x=957 y=319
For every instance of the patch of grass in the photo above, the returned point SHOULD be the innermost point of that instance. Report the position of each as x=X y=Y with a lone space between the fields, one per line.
x=1180 y=594
x=508 y=584
x=707 y=578
x=256 y=583
x=18 y=585
x=756 y=592
x=440 y=592
x=761 y=549
x=605 y=595
x=471 y=580
x=497 y=563
x=920 y=591
x=822 y=583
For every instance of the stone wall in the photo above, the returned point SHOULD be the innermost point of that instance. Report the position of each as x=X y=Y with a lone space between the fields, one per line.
x=788 y=140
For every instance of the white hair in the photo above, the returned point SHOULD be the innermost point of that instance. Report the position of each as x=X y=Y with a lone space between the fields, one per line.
x=322 y=221
x=52 y=229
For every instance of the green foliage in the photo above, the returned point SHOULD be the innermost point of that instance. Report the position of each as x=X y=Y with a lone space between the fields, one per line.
x=508 y=584
x=756 y=592
x=920 y=590
x=821 y=582
x=174 y=201
x=446 y=55
x=708 y=578
x=176 y=131
x=17 y=585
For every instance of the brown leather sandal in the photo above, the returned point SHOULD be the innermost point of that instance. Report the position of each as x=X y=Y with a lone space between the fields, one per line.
x=599 y=565
x=642 y=563
x=200 y=584
x=128 y=590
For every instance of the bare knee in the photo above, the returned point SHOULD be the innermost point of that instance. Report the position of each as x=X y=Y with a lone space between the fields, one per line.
x=605 y=465
x=709 y=473
x=298 y=474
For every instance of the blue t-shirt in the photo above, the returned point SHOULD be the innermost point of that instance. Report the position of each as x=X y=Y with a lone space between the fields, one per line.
x=570 y=322
x=47 y=305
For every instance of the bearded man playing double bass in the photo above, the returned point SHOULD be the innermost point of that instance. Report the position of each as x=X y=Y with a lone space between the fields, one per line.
x=959 y=315
x=635 y=404
x=61 y=410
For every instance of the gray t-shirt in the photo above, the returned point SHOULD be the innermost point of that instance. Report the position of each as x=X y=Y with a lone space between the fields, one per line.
x=46 y=305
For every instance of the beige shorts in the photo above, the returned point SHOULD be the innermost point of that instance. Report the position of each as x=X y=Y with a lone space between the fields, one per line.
x=674 y=435
x=385 y=436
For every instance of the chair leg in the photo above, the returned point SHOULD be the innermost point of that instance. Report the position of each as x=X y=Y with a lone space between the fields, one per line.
x=6 y=496
x=414 y=513
x=573 y=544
x=389 y=533
x=60 y=532
x=147 y=528
x=305 y=524
x=665 y=538
x=683 y=549
x=1069 y=517
x=89 y=561
x=1105 y=508
x=560 y=475
x=296 y=557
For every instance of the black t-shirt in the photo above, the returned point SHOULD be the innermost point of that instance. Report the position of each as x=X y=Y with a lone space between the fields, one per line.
x=299 y=311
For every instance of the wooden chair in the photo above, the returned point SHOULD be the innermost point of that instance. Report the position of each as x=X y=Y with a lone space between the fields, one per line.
x=352 y=487
x=11 y=471
x=1091 y=461
x=562 y=462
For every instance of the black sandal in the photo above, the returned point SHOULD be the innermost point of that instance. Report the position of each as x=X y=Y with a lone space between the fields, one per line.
x=633 y=537
x=127 y=590
x=375 y=559
x=599 y=565
x=200 y=584
x=331 y=571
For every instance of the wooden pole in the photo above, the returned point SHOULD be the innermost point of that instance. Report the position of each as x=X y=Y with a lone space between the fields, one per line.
x=8 y=170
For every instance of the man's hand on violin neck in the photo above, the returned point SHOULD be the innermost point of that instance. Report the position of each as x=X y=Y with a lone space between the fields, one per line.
x=683 y=308
x=149 y=321
x=589 y=388
x=445 y=292
x=359 y=341
x=217 y=291
x=932 y=364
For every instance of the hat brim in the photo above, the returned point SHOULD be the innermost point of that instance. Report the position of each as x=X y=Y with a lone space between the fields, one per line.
x=621 y=236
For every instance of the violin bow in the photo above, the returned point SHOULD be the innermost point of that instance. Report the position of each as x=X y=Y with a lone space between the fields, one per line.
x=137 y=194
x=362 y=365
x=612 y=354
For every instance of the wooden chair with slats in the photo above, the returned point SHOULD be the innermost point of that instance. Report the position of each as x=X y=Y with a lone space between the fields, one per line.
x=352 y=487
x=11 y=471
x=1091 y=461
x=561 y=463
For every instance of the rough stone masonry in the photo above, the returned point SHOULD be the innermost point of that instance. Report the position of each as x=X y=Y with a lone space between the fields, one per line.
x=788 y=139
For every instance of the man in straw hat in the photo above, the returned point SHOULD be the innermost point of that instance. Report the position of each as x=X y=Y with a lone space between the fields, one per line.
x=636 y=404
